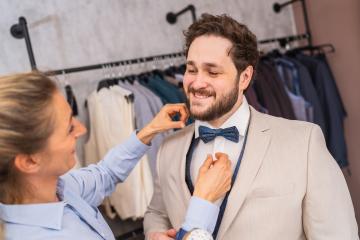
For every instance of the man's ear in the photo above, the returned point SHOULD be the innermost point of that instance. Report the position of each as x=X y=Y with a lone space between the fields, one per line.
x=245 y=77
x=27 y=163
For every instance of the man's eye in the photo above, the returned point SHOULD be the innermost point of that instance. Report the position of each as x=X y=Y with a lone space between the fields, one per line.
x=191 y=71
x=213 y=73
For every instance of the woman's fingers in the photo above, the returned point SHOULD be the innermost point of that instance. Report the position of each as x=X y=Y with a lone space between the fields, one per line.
x=163 y=121
x=178 y=108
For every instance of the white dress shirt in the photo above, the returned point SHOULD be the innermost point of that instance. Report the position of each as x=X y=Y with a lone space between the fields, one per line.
x=240 y=120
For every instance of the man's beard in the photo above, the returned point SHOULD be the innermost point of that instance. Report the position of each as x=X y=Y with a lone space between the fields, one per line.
x=222 y=105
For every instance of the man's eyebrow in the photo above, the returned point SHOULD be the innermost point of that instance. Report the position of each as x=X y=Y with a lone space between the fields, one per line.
x=212 y=65
x=192 y=63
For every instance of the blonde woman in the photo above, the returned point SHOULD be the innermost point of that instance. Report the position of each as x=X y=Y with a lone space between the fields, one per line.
x=40 y=198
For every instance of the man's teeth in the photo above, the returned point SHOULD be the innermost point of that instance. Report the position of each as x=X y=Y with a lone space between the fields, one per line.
x=200 y=95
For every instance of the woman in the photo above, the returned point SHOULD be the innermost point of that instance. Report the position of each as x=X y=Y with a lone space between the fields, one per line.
x=40 y=198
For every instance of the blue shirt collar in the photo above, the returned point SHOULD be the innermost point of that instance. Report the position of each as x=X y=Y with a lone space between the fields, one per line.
x=28 y=214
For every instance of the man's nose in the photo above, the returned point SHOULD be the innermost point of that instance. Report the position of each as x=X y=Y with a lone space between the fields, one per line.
x=199 y=82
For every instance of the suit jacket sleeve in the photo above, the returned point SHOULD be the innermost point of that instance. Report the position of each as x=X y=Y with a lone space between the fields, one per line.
x=328 y=211
x=156 y=218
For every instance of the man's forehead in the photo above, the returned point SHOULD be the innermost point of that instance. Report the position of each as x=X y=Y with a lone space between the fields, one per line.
x=204 y=64
x=209 y=50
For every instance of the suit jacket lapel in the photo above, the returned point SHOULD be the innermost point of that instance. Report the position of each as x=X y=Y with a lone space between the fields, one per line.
x=184 y=145
x=257 y=144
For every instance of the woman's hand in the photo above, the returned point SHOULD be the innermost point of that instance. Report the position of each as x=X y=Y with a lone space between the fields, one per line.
x=214 y=178
x=163 y=122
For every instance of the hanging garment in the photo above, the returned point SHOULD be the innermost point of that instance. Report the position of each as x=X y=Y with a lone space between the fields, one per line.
x=277 y=86
x=154 y=101
x=250 y=95
x=91 y=152
x=331 y=104
x=114 y=123
x=143 y=115
x=165 y=90
x=288 y=73
x=308 y=91
x=271 y=92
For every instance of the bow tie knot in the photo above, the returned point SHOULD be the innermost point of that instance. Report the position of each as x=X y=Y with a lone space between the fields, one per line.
x=208 y=134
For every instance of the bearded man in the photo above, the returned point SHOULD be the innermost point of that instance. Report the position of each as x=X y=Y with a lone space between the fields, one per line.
x=285 y=183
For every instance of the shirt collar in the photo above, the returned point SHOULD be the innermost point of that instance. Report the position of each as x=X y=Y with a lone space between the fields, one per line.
x=239 y=119
x=47 y=215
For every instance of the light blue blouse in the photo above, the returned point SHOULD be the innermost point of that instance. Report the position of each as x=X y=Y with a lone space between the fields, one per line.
x=81 y=191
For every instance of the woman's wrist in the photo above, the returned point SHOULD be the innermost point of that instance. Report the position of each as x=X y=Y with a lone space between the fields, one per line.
x=203 y=195
x=146 y=134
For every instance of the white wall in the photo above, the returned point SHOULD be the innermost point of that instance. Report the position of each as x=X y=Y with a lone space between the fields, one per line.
x=68 y=33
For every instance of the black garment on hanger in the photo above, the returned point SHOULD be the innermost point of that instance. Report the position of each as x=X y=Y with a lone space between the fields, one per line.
x=70 y=96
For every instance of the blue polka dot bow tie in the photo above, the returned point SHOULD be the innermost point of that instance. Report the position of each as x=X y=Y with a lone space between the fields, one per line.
x=208 y=134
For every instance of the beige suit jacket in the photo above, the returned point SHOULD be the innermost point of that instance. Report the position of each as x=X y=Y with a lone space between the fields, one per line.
x=288 y=187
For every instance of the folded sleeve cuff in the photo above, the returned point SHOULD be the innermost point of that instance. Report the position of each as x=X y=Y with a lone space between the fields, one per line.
x=134 y=145
x=201 y=214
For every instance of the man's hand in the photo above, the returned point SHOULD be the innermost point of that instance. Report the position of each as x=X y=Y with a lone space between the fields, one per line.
x=168 y=235
x=214 y=178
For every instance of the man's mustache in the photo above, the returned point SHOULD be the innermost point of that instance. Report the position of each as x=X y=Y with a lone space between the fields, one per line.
x=202 y=91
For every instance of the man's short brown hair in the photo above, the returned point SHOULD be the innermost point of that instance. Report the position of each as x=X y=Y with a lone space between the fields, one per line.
x=244 y=51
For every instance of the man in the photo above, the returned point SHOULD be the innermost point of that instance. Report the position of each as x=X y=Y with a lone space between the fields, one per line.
x=286 y=185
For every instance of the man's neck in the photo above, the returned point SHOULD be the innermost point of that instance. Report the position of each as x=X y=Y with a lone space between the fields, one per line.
x=41 y=191
x=220 y=121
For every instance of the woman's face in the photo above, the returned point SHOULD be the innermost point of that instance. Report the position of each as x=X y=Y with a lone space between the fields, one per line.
x=58 y=156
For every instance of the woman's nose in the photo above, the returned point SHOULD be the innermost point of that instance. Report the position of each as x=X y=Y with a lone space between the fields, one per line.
x=80 y=128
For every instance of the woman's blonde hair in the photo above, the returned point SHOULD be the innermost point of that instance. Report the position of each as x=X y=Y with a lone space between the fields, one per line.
x=25 y=126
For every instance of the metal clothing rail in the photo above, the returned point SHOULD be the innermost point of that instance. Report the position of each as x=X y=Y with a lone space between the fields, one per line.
x=283 y=41
x=171 y=17
x=114 y=64
x=277 y=7
x=20 y=30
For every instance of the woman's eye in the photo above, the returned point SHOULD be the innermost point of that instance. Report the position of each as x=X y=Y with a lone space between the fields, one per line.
x=71 y=129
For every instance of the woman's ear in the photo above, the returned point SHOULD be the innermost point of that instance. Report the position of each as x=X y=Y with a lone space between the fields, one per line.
x=245 y=77
x=27 y=163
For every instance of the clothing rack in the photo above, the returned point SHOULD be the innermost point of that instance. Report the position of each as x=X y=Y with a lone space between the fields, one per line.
x=283 y=41
x=171 y=17
x=20 y=30
x=115 y=63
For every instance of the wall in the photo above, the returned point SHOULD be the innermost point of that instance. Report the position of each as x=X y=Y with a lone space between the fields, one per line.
x=67 y=33
x=338 y=22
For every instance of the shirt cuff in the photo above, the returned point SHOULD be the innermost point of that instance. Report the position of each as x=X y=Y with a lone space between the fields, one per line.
x=201 y=214
x=134 y=145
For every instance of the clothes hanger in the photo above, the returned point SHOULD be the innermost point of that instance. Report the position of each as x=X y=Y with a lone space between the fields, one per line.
x=317 y=49
x=106 y=82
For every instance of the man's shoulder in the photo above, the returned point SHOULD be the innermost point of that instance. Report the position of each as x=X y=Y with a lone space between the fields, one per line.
x=179 y=135
x=282 y=125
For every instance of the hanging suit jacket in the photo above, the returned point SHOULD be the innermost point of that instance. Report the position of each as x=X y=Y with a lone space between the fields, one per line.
x=288 y=186
x=271 y=93
x=309 y=93
x=331 y=104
